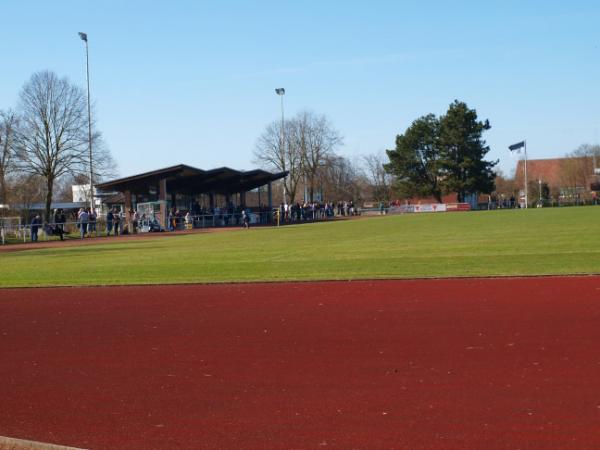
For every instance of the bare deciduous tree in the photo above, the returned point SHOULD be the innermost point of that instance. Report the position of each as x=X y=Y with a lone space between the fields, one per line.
x=340 y=179
x=380 y=180
x=8 y=121
x=506 y=187
x=309 y=141
x=270 y=154
x=587 y=150
x=105 y=165
x=578 y=167
x=52 y=133
x=28 y=189
x=319 y=141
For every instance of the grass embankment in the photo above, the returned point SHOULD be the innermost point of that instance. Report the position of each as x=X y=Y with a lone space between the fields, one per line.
x=507 y=242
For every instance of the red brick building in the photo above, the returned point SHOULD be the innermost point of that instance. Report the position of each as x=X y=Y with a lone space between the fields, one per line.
x=565 y=177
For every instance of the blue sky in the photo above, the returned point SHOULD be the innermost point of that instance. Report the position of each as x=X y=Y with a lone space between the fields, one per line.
x=193 y=82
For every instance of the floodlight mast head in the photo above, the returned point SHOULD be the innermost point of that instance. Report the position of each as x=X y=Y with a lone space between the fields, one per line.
x=280 y=91
x=83 y=36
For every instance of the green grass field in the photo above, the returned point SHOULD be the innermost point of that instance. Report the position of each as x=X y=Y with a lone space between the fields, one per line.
x=494 y=243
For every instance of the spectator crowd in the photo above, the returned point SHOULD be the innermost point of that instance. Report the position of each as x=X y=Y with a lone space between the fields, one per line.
x=87 y=223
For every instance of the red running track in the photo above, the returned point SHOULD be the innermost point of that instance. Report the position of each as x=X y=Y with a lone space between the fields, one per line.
x=437 y=364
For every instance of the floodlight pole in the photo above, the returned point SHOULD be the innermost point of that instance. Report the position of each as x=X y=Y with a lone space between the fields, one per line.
x=281 y=93
x=84 y=38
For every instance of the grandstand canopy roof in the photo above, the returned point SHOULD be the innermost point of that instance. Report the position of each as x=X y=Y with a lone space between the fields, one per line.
x=191 y=180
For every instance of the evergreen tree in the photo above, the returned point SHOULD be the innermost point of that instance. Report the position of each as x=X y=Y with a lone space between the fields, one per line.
x=414 y=161
x=462 y=168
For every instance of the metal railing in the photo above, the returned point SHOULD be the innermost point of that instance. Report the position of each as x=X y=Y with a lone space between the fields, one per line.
x=235 y=219
x=73 y=229
x=47 y=232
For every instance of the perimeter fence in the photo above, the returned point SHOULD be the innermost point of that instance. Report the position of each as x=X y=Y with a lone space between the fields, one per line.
x=17 y=232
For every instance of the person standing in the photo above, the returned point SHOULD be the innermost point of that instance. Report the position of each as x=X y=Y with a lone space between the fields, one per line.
x=121 y=222
x=109 y=222
x=92 y=219
x=83 y=222
x=59 y=223
x=35 y=226
x=116 y=220
x=245 y=219
x=135 y=218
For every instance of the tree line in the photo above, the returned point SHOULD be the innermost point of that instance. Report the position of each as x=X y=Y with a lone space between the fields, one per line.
x=307 y=147
x=433 y=157
x=44 y=142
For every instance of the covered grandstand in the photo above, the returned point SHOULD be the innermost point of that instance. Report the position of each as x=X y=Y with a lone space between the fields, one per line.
x=188 y=188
